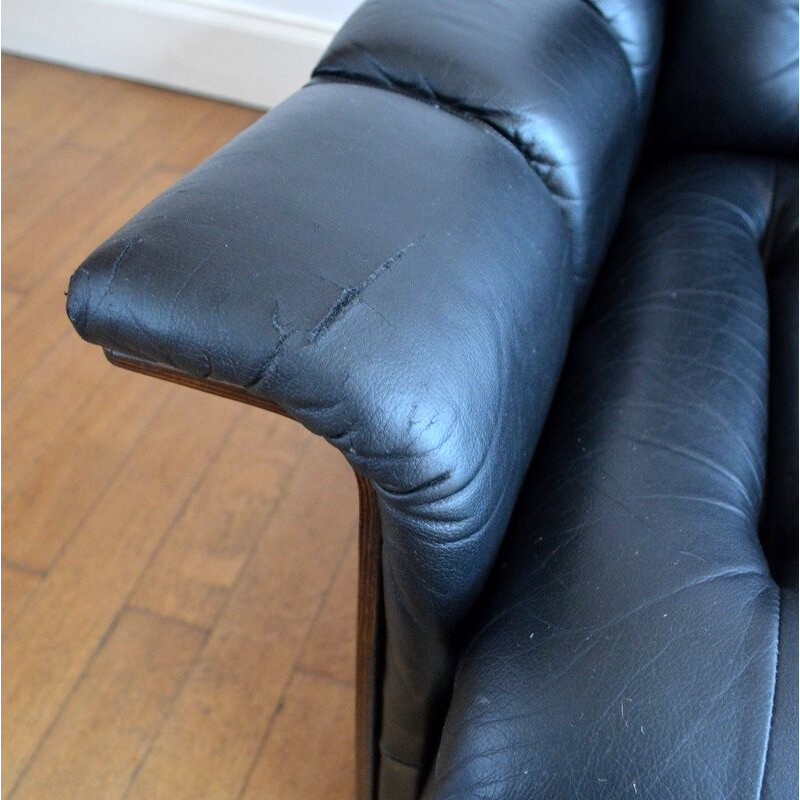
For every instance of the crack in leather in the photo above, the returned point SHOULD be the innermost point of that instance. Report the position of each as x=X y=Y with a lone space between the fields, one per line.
x=353 y=293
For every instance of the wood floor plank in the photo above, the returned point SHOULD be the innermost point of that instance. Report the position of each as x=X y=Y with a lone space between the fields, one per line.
x=60 y=627
x=122 y=491
x=309 y=749
x=40 y=319
x=117 y=707
x=193 y=572
x=49 y=112
x=10 y=302
x=33 y=97
x=14 y=150
x=223 y=711
x=53 y=496
x=14 y=70
x=17 y=587
x=27 y=261
x=66 y=376
x=217 y=128
x=331 y=646
x=53 y=104
x=54 y=175
x=124 y=108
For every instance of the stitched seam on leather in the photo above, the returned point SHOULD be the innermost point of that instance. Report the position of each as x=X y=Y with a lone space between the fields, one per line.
x=772 y=702
x=538 y=161
x=538 y=166
x=618 y=41
x=327 y=75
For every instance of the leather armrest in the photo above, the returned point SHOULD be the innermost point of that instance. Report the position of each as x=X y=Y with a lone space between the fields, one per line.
x=393 y=257
x=361 y=260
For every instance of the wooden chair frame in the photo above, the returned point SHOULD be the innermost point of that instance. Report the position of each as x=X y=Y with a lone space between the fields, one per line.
x=370 y=634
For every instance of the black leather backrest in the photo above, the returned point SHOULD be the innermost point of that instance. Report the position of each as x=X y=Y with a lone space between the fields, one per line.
x=729 y=75
x=631 y=642
x=568 y=82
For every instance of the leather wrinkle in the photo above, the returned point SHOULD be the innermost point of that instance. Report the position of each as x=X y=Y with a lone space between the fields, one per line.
x=540 y=164
x=769 y=737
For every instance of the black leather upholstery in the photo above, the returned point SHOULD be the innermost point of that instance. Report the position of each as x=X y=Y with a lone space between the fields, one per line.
x=395 y=257
x=730 y=75
x=567 y=81
x=632 y=637
x=359 y=258
x=401 y=307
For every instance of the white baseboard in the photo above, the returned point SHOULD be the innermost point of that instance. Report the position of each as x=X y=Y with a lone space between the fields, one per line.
x=209 y=47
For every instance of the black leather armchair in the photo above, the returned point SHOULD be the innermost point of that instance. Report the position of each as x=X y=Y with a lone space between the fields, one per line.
x=397 y=256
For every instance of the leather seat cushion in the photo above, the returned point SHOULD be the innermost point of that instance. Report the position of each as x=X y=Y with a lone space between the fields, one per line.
x=632 y=637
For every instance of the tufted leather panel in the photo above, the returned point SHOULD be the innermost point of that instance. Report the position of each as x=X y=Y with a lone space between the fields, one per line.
x=633 y=642
x=730 y=75
x=567 y=81
x=359 y=258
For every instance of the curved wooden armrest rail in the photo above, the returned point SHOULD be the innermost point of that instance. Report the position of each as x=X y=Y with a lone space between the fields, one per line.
x=370 y=633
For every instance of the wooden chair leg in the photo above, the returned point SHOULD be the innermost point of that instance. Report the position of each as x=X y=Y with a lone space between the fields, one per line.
x=370 y=633
x=369 y=641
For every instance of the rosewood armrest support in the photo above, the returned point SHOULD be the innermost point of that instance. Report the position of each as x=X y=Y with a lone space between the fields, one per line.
x=370 y=634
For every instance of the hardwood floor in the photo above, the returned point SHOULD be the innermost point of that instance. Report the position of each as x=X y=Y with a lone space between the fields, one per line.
x=179 y=571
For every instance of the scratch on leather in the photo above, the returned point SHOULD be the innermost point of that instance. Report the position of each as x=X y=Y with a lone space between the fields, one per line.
x=272 y=358
x=121 y=256
x=351 y=294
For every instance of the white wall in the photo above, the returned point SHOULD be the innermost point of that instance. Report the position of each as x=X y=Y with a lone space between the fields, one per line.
x=333 y=11
x=255 y=52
